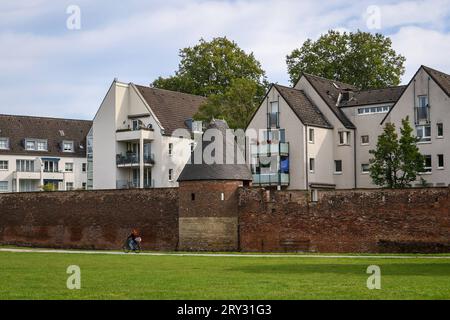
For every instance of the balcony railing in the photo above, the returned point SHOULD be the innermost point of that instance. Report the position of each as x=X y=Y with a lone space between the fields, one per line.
x=131 y=159
x=281 y=148
x=271 y=179
x=134 y=184
x=422 y=114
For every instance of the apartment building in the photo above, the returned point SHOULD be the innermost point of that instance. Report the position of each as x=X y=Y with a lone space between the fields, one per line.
x=37 y=152
x=318 y=134
x=142 y=137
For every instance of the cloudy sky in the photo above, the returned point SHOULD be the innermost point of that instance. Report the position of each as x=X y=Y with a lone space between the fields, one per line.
x=49 y=69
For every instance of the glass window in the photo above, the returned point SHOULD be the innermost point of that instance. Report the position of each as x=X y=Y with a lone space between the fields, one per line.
x=344 y=137
x=428 y=166
x=69 y=167
x=312 y=164
x=373 y=110
x=68 y=146
x=440 y=130
x=440 y=161
x=69 y=186
x=83 y=167
x=4 y=143
x=423 y=101
x=170 y=149
x=30 y=145
x=3 y=186
x=365 y=139
x=42 y=145
x=365 y=168
x=311 y=135
x=170 y=174
x=50 y=166
x=25 y=165
x=274 y=113
x=338 y=166
x=3 y=164
x=424 y=133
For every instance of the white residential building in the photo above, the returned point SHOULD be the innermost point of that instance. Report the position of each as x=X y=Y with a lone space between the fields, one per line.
x=37 y=152
x=318 y=134
x=142 y=137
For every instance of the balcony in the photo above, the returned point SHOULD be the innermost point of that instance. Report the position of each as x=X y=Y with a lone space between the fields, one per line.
x=135 y=135
x=132 y=160
x=134 y=184
x=27 y=175
x=281 y=148
x=271 y=179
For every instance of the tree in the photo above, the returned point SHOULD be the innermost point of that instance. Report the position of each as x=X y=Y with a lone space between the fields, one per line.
x=209 y=68
x=236 y=105
x=396 y=162
x=362 y=59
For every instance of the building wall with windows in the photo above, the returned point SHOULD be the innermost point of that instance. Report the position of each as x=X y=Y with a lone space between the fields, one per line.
x=431 y=121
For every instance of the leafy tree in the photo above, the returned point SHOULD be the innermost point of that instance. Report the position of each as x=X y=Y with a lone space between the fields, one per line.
x=362 y=59
x=209 y=68
x=396 y=162
x=237 y=104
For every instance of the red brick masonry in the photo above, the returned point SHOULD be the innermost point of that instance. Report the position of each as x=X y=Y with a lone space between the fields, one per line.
x=415 y=220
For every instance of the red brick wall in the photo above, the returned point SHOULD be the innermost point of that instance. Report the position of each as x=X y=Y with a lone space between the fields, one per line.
x=415 y=220
x=90 y=219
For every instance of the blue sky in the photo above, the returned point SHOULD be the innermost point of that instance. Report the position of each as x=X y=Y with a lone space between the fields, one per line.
x=47 y=69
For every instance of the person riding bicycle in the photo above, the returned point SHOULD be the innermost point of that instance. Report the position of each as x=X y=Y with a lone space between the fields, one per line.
x=133 y=240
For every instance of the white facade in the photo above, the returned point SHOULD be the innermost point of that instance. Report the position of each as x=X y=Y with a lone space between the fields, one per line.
x=124 y=125
x=339 y=156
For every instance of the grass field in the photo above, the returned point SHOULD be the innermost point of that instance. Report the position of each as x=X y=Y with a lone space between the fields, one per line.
x=43 y=276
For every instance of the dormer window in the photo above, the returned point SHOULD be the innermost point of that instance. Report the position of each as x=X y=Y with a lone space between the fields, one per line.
x=36 y=145
x=68 y=146
x=4 y=143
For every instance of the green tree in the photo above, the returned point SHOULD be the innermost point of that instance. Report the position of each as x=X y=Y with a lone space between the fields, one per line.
x=359 y=58
x=209 y=68
x=236 y=105
x=396 y=162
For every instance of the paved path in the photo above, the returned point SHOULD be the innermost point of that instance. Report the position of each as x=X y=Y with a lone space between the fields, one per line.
x=223 y=254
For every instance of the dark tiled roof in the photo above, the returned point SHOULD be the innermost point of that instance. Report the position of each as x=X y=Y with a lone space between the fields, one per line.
x=307 y=112
x=329 y=91
x=442 y=79
x=204 y=171
x=374 y=96
x=18 y=128
x=170 y=107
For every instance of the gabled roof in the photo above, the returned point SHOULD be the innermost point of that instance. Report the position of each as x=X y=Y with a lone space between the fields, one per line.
x=374 y=96
x=170 y=107
x=442 y=79
x=55 y=131
x=329 y=91
x=226 y=171
x=305 y=110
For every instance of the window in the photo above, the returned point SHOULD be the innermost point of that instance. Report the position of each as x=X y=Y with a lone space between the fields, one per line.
x=365 y=168
x=428 y=165
x=440 y=161
x=68 y=146
x=69 y=186
x=3 y=164
x=69 y=167
x=50 y=166
x=192 y=196
x=344 y=138
x=84 y=167
x=373 y=110
x=83 y=185
x=422 y=112
x=274 y=120
x=25 y=165
x=170 y=149
x=337 y=166
x=440 y=130
x=170 y=174
x=423 y=101
x=222 y=196
x=4 y=143
x=311 y=136
x=136 y=124
x=3 y=186
x=365 y=140
x=424 y=133
x=30 y=145
x=42 y=145
x=312 y=164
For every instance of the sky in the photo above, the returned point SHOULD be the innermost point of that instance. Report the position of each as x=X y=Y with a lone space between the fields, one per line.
x=58 y=58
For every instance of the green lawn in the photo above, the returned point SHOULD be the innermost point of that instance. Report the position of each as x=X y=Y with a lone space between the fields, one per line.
x=43 y=276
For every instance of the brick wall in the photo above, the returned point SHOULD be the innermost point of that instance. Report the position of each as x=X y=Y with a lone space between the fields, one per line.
x=208 y=215
x=90 y=219
x=416 y=220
